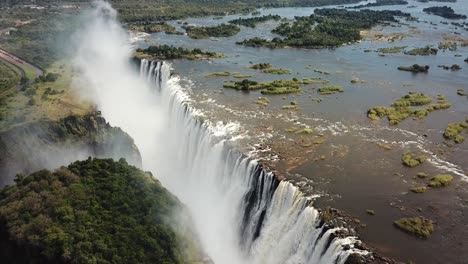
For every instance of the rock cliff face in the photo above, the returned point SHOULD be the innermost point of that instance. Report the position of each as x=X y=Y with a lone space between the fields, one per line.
x=50 y=144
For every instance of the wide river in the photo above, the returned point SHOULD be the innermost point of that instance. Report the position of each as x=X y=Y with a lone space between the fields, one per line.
x=352 y=161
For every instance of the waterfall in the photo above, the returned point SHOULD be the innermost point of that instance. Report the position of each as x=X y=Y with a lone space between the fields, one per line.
x=242 y=213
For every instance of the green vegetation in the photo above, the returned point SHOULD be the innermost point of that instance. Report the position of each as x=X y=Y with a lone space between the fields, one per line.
x=240 y=75
x=96 y=210
x=383 y=3
x=53 y=100
x=281 y=90
x=261 y=66
x=223 y=30
x=422 y=175
x=155 y=27
x=417 y=226
x=420 y=189
x=395 y=49
x=440 y=180
x=412 y=160
x=217 y=74
x=9 y=76
x=330 y=89
x=412 y=99
x=326 y=28
x=444 y=11
x=414 y=68
x=453 y=131
x=315 y=80
x=273 y=87
x=268 y=68
x=422 y=51
x=253 y=21
x=166 y=52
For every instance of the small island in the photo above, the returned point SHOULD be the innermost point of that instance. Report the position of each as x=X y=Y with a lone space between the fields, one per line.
x=414 y=68
x=444 y=11
x=223 y=30
x=254 y=21
x=166 y=52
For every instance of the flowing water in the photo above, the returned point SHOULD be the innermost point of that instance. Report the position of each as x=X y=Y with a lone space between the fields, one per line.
x=243 y=214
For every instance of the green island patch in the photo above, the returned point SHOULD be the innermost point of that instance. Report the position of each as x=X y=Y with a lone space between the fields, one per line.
x=166 y=52
x=412 y=160
x=254 y=21
x=327 y=27
x=154 y=27
x=417 y=226
x=440 y=180
x=268 y=68
x=223 y=30
x=414 y=68
x=454 y=130
x=406 y=106
x=271 y=87
x=420 y=189
x=330 y=89
x=425 y=51
x=395 y=49
x=217 y=74
x=315 y=80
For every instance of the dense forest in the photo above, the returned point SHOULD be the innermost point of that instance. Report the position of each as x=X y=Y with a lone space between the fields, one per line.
x=147 y=10
x=444 y=11
x=253 y=21
x=93 y=211
x=223 y=30
x=326 y=28
x=166 y=52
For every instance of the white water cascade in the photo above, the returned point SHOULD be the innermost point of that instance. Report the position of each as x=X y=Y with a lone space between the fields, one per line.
x=241 y=213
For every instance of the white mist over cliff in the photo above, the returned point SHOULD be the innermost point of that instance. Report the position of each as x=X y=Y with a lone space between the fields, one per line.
x=241 y=213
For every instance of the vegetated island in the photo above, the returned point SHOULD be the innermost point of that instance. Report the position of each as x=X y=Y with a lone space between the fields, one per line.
x=414 y=68
x=326 y=28
x=406 y=106
x=223 y=30
x=444 y=11
x=382 y=3
x=166 y=52
x=156 y=27
x=425 y=51
x=268 y=68
x=95 y=210
x=254 y=21
x=273 y=87
x=453 y=131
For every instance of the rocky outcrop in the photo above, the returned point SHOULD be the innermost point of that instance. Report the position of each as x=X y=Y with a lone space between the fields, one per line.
x=50 y=144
